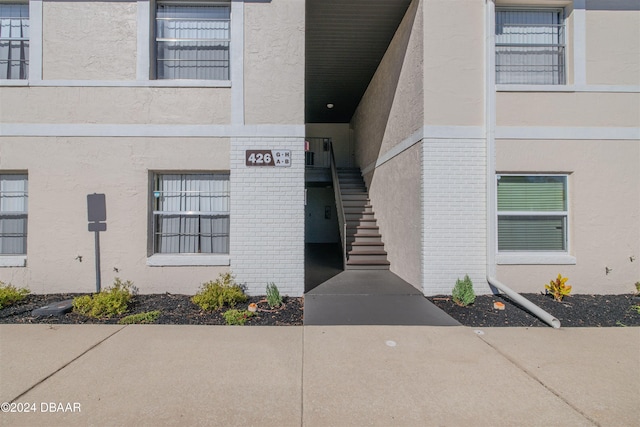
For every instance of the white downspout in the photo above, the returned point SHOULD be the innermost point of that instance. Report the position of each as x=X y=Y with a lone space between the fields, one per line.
x=490 y=126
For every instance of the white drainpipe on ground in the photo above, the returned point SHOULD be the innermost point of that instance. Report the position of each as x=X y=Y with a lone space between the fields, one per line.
x=525 y=303
x=490 y=125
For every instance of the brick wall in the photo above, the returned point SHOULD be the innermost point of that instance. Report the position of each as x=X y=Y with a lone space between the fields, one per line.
x=267 y=218
x=454 y=209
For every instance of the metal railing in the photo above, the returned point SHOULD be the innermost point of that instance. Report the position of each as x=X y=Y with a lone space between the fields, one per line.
x=342 y=223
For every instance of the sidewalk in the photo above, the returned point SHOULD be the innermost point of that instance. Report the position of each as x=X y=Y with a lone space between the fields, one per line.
x=108 y=375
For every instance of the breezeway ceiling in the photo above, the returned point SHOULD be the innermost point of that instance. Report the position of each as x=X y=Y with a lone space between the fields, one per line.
x=345 y=41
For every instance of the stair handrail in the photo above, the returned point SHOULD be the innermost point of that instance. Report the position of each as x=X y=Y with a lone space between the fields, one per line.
x=342 y=223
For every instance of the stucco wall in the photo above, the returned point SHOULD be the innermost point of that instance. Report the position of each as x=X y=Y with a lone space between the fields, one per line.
x=390 y=112
x=454 y=62
x=613 y=47
x=395 y=188
x=60 y=177
x=274 y=62
x=567 y=109
x=89 y=40
x=604 y=212
x=392 y=107
x=117 y=105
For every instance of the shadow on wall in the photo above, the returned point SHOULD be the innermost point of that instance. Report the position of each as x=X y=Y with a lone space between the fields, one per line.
x=372 y=127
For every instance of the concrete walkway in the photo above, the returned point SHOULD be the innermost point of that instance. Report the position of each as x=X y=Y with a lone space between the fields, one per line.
x=318 y=376
x=371 y=297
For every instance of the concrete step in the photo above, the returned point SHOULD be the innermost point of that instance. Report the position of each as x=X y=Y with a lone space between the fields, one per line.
x=363 y=238
x=363 y=230
x=353 y=216
x=358 y=196
x=367 y=265
x=350 y=210
x=354 y=203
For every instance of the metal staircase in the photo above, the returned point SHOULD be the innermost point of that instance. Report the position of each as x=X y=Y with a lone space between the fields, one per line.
x=364 y=246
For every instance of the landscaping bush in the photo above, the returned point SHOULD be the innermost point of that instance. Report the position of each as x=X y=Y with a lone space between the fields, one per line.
x=463 y=293
x=236 y=317
x=10 y=294
x=216 y=294
x=108 y=303
x=140 y=318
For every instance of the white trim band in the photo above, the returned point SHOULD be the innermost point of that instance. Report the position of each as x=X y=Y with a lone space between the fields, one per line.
x=568 y=133
x=135 y=130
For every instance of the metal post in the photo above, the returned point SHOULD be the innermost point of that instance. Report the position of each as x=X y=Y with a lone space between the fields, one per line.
x=98 y=281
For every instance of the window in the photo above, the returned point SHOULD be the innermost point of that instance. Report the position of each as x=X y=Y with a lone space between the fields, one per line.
x=192 y=41
x=191 y=213
x=530 y=46
x=14 y=41
x=13 y=214
x=532 y=213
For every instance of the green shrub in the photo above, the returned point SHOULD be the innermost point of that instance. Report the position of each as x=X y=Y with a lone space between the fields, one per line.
x=637 y=288
x=9 y=294
x=274 y=299
x=463 y=294
x=108 y=303
x=216 y=294
x=558 y=288
x=140 y=318
x=237 y=317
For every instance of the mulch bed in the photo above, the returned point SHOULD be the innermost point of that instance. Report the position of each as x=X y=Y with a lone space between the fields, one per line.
x=573 y=311
x=174 y=310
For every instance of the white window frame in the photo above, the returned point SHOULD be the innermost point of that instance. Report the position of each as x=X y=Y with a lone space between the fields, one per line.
x=156 y=39
x=542 y=257
x=27 y=60
x=562 y=76
x=160 y=259
x=16 y=260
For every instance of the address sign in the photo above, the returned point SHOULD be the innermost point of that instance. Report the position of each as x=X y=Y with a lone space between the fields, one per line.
x=277 y=158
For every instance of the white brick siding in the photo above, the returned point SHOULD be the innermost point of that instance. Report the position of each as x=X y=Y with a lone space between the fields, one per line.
x=267 y=218
x=454 y=212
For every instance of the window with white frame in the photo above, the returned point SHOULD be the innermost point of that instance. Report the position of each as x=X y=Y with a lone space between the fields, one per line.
x=530 y=46
x=532 y=213
x=192 y=40
x=14 y=41
x=13 y=214
x=191 y=213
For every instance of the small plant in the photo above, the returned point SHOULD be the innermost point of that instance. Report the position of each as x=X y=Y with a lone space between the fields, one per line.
x=637 y=285
x=558 y=288
x=237 y=317
x=9 y=294
x=463 y=293
x=140 y=318
x=216 y=294
x=107 y=303
x=636 y=308
x=274 y=299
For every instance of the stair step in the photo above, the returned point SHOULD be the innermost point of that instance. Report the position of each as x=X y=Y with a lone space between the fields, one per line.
x=367 y=265
x=352 y=210
x=359 y=202
x=363 y=230
x=366 y=244
x=360 y=196
x=354 y=216
x=364 y=238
